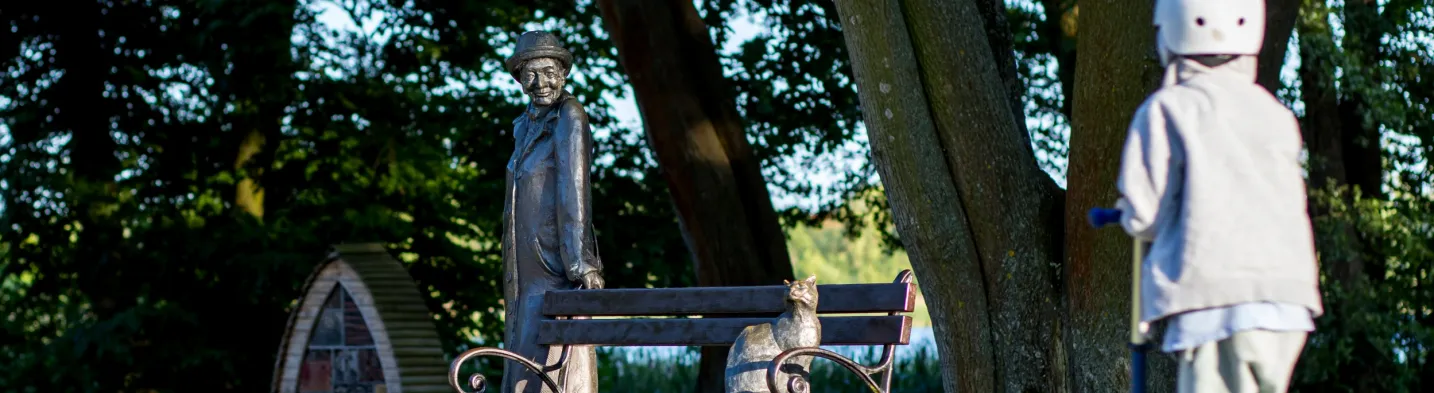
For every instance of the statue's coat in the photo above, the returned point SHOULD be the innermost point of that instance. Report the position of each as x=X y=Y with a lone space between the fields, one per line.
x=548 y=241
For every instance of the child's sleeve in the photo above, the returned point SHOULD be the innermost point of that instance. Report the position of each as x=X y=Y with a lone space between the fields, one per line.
x=1151 y=171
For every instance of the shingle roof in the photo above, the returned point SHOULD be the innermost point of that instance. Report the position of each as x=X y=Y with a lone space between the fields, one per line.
x=392 y=307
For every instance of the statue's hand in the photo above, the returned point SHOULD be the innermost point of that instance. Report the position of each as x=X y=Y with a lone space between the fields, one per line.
x=592 y=280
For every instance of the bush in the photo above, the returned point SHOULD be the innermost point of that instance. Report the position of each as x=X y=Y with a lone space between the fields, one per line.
x=1377 y=334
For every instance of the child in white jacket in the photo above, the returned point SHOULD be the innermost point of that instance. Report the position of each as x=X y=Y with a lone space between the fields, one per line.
x=1210 y=174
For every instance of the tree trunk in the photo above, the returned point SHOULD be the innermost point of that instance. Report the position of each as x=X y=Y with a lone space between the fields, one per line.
x=1321 y=125
x=1060 y=25
x=81 y=108
x=1013 y=207
x=996 y=214
x=1117 y=70
x=248 y=196
x=1000 y=42
x=80 y=94
x=921 y=189
x=1326 y=130
x=261 y=86
x=692 y=127
x=1363 y=155
x=1004 y=242
x=1280 y=18
x=1344 y=151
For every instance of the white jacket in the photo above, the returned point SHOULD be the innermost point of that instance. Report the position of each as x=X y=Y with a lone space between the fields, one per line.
x=1211 y=174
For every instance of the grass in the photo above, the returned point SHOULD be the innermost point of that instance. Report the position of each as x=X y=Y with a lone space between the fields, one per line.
x=917 y=370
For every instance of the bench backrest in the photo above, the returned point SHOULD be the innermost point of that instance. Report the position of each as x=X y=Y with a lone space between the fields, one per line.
x=748 y=306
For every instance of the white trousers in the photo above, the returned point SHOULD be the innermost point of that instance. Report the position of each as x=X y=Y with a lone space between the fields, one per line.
x=1247 y=362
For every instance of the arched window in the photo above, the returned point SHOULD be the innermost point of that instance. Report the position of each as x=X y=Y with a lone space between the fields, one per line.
x=341 y=331
x=341 y=356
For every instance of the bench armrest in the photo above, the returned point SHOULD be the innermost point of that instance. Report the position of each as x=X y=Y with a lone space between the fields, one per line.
x=795 y=384
x=479 y=384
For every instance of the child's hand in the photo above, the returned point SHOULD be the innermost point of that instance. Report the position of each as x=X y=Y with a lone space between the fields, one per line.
x=1100 y=216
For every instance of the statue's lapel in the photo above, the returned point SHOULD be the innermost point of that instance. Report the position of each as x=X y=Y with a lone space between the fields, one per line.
x=531 y=127
x=520 y=131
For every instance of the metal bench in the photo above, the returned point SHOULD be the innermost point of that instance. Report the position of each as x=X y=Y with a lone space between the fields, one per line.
x=654 y=308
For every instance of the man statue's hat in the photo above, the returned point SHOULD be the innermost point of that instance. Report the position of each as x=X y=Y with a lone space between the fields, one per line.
x=538 y=44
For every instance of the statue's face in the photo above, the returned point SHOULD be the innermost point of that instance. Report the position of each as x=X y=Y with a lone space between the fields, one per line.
x=543 y=80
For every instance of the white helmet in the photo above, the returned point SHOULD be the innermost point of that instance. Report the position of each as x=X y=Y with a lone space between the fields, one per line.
x=1209 y=27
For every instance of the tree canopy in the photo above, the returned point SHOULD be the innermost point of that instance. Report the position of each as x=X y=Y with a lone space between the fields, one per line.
x=171 y=171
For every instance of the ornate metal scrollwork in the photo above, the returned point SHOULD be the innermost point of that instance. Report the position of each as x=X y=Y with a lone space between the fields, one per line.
x=479 y=384
x=796 y=384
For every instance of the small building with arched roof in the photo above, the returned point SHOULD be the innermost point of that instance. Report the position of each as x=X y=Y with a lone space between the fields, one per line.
x=360 y=326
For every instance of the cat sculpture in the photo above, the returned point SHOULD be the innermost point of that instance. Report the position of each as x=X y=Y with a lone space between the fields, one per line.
x=754 y=349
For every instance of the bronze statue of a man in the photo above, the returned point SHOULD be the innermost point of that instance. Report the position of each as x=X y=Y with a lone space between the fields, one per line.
x=548 y=240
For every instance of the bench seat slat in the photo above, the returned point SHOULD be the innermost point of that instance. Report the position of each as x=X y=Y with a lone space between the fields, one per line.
x=850 y=330
x=834 y=298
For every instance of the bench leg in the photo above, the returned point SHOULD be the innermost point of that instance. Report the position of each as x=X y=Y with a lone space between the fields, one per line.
x=795 y=384
x=479 y=384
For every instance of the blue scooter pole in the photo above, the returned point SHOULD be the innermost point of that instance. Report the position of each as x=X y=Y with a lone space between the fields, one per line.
x=1100 y=217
